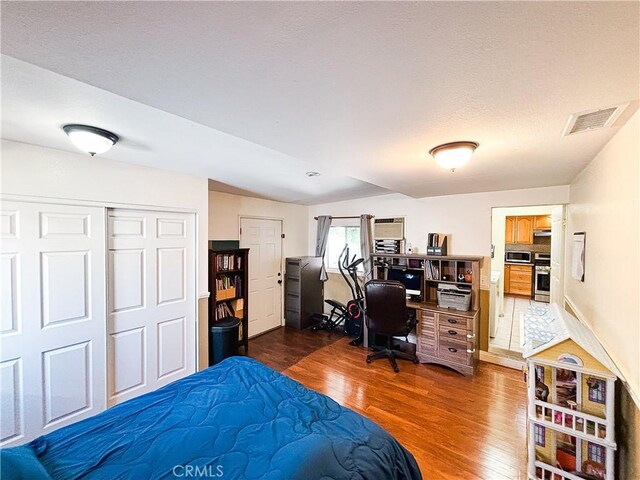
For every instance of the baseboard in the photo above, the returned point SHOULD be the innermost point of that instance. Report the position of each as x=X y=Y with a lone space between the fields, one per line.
x=502 y=360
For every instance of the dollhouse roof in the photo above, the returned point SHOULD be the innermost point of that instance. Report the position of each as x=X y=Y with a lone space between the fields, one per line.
x=544 y=330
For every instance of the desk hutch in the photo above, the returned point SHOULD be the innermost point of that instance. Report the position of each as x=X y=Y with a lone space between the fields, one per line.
x=443 y=336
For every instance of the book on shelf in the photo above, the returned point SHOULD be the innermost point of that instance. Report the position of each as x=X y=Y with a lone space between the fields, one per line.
x=228 y=261
x=433 y=272
x=224 y=310
x=225 y=282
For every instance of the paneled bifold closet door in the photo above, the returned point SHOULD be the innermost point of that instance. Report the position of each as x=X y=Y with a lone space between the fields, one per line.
x=52 y=324
x=151 y=301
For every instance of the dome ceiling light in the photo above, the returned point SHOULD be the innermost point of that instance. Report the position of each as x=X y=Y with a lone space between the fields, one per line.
x=453 y=155
x=92 y=140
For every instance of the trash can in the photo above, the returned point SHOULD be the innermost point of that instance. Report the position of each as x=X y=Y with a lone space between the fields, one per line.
x=224 y=339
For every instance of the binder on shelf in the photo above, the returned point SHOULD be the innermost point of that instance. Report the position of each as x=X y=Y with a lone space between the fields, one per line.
x=437 y=244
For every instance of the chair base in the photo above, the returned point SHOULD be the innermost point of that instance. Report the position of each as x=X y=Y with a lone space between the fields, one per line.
x=391 y=354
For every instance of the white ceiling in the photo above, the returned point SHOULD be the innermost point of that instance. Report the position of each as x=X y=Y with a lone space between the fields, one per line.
x=253 y=94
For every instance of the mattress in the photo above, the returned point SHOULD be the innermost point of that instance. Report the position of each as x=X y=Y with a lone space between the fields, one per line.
x=236 y=420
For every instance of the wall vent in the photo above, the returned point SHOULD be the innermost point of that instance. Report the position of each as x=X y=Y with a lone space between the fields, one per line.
x=593 y=119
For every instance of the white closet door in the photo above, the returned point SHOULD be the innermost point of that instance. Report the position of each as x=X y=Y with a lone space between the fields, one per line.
x=151 y=301
x=52 y=328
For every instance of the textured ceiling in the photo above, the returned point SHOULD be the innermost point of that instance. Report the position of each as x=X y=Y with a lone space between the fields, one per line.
x=358 y=91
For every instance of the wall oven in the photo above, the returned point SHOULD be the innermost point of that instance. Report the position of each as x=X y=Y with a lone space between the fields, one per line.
x=542 y=279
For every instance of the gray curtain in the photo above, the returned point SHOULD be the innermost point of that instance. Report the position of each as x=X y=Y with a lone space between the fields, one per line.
x=322 y=237
x=366 y=245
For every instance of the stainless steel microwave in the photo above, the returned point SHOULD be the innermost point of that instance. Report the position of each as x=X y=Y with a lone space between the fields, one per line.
x=517 y=257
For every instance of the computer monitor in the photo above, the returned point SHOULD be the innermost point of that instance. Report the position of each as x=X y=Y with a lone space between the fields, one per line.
x=411 y=279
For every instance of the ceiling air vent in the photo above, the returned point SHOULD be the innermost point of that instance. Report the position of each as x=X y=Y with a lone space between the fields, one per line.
x=593 y=119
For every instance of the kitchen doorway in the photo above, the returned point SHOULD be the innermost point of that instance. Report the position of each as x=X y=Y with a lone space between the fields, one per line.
x=527 y=263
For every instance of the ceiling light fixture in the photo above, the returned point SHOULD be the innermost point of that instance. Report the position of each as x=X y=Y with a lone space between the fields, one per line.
x=312 y=174
x=92 y=140
x=453 y=155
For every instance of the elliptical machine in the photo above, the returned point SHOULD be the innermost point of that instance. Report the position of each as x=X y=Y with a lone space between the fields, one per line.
x=351 y=314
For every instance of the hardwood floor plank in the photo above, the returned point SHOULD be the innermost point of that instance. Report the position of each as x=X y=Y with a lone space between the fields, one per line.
x=456 y=427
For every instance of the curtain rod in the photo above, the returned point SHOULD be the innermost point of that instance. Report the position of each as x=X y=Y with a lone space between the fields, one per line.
x=343 y=218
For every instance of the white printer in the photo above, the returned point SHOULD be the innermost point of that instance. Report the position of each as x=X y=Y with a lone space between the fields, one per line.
x=453 y=296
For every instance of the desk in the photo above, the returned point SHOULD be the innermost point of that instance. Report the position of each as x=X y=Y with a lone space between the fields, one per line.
x=447 y=337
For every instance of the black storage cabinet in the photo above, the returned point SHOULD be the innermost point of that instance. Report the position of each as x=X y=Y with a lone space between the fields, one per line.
x=224 y=340
x=304 y=291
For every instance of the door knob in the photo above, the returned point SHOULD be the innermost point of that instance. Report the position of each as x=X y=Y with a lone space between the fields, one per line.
x=280 y=282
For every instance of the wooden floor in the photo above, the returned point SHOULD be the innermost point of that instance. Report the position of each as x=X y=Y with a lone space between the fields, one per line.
x=456 y=427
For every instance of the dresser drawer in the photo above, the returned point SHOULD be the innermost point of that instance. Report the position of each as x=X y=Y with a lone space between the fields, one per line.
x=454 y=321
x=454 y=351
x=452 y=332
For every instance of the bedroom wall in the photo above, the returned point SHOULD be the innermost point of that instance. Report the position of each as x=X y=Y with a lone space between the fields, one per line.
x=225 y=210
x=466 y=218
x=35 y=171
x=605 y=203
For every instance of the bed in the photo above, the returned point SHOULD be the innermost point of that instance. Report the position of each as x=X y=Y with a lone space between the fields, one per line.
x=238 y=419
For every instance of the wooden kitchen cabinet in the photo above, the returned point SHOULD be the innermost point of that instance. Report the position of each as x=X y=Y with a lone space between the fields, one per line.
x=524 y=230
x=518 y=280
x=519 y=230
x=507 y=278
x=542 y=222
x=509 y=230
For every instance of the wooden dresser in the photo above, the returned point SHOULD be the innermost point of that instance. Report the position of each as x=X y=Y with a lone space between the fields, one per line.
x=444 y=336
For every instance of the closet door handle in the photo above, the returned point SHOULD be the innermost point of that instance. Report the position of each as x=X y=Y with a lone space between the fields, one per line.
x=471 y=337
x=453 y=350
x=471 y=351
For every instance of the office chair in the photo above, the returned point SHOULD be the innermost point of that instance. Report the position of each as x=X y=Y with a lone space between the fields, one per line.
x=387 y=314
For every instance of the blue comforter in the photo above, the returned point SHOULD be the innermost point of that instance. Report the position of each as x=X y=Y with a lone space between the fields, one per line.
x=237 y=420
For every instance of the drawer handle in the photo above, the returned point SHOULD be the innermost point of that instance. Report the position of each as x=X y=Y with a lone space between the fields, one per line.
x=451 y=320
x=452 y=332
x=471 y=337
x=453 y=350
x=471 y=351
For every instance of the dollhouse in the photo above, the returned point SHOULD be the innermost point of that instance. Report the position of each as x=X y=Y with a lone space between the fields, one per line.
x=571 y=380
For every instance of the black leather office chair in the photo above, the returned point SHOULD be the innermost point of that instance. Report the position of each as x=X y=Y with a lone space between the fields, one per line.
x=387 y=314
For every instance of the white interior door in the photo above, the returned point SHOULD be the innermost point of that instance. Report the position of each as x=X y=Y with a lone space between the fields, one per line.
x=556 y=294
x=151 y=301
x=263 y=238
x=52 y=329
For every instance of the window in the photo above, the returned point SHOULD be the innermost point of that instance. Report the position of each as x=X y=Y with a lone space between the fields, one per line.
x=597 y=389
x=538 y=435
x=596 y=453
x=540 y=373
x=339 y=236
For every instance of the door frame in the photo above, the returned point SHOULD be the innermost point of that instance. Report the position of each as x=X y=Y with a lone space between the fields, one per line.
x=282 y=255
x=497 y=357
x=106 y=205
